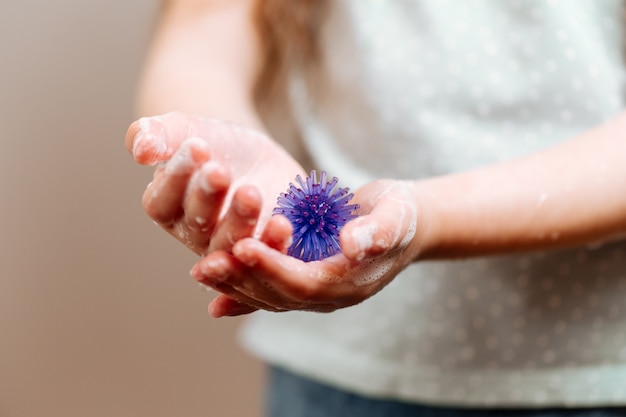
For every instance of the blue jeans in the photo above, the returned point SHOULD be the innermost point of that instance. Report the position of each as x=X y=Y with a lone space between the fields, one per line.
x=290 y=395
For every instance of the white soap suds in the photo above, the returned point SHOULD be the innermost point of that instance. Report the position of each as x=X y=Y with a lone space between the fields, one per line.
x=411 y=229
x=363 y=236
x=376 y=268
x=182 y=162
x=150 y=140
x=207 y=169
x=372 y=270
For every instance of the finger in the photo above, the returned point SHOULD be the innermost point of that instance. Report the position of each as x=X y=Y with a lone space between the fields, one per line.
x=163 y=200
x=273 y=289
x=278 y=233
x=223 y=305
x=204 y=199
x=155 y=139
x=219 y=270
x=223 y=272
x=293 y=279
x=389 y=226
x=241 y=297
x=240 y=220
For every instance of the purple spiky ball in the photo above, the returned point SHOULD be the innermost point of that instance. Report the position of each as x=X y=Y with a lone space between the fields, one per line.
x=317 y=212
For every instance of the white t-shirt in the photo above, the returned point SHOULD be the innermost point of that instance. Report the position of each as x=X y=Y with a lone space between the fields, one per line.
x=412 y=89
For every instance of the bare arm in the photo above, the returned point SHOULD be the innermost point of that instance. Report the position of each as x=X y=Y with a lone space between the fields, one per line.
x=204 y=60
x=571 y=194
x=213 y=175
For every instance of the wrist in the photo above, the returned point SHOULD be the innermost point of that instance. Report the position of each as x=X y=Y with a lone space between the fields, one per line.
x=424 y=243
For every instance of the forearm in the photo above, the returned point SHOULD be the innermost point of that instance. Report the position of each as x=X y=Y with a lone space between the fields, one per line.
x=204 y=59
x=572 y=194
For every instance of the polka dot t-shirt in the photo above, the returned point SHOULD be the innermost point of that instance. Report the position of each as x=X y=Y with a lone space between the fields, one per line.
x=412 y=89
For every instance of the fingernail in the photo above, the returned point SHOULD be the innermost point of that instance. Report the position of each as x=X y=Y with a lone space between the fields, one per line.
x=148 y=149
x=214 y=312
x=149 y=144
x=182 y=161
x=199 y=147
x=244 y=256
x=207 y=169
x=245 y=208
x=196 y=273
x=213 y=270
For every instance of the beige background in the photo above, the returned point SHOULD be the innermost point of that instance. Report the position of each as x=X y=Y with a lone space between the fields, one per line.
x=98 y=316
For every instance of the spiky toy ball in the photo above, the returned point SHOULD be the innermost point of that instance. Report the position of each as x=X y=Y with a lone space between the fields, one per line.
x=317 y=212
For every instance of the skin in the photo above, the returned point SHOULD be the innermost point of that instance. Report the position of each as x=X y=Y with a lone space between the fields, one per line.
x=216 y=183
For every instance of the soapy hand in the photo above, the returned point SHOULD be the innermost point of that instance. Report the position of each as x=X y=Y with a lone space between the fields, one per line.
x=376 y=246
x=215 y=182
x=214 y=189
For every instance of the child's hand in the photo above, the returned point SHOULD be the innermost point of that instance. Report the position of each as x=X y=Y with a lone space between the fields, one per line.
x=216 y=182
x=376 y=247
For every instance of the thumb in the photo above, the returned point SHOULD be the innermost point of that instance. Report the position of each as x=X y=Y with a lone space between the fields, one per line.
x=155 y=139
x=389 y=226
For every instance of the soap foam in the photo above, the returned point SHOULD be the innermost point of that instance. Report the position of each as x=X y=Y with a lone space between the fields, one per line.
x=182 y=162
x=372 y=270
x=364 y=237
x=207 y=169
x=377 y=268
x=150 y=140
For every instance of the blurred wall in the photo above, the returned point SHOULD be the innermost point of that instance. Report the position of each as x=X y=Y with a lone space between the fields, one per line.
x=98 y=316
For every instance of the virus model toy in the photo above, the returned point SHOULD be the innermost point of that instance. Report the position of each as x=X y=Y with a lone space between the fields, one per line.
x=317 y=212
